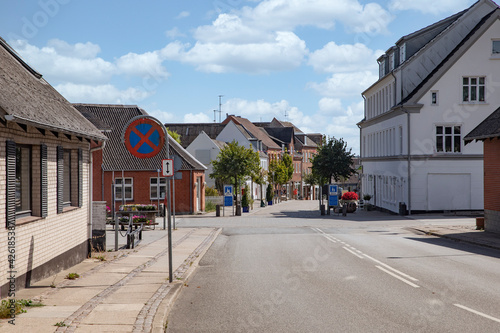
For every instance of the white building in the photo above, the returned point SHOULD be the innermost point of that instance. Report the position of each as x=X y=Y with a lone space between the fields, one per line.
x=206 y=150
x=435 y=86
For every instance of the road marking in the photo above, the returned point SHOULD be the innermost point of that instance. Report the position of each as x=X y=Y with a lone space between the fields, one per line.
x=391 y=268
x=477 y=312
x=330 y=238
x=351 y=251
x=397 y=277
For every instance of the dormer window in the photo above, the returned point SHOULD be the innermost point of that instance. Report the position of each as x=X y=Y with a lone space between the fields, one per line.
x=382 y=68
x=392 y=62
x=402 y=53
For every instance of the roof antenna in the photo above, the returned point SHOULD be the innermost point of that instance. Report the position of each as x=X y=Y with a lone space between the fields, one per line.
x=286 y=115
x=220 y=106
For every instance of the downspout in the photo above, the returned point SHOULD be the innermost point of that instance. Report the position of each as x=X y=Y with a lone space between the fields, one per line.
x=361 y=150
x=191 y=191
x=91 y=189
x=408 y=123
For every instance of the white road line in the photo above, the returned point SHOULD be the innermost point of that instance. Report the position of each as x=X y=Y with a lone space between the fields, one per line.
x=398 y=277
x=477 y=312
x=327 y=236
x=351 y=251
x=392 y=269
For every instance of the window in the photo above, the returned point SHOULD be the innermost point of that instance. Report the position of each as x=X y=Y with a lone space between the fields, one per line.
x=473 y=89
x=448 y=139
x=495 y=47
x=127 y=187
x=23 y=181
x=402 y=53
x=434 y=97
x=157 y=186
x=67 y=178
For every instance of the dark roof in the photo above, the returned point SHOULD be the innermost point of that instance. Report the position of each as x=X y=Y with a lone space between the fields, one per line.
x=489 y=128
x=284 y=134
x=26 y=98
x=447 y=58
x=116 y=157
x=189 y=132
x=253 y=130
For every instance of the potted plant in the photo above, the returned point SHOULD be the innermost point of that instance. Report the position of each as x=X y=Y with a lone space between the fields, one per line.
x=367 y=198
x=269 y=194
x=350 y=199
x=245 y=202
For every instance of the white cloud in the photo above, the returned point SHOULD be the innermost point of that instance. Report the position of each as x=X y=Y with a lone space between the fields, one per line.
x=333 y=58
x=63 y=62
x=163 y=116
x=197 y=118
x=229 y=28
x=345 y=84
x=147 y=64
x=285 y=52
x=101 y=94
x=183 y=14
x=288 y=14
x=260 y=109
x=174 y=33
x=431 y=6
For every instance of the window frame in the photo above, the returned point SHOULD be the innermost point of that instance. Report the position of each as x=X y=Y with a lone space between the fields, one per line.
x=25 y=212
x=125 y=186
x=473 y=89
x=448 y=138
x=434 y=97
x=158 y=185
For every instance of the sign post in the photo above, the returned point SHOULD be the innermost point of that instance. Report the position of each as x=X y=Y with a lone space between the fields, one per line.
x=145 y=137
x=228 y=195
x=333 y=199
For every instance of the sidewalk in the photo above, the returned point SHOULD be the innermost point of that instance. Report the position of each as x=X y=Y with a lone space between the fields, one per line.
x=128 y=292
x=463 y=233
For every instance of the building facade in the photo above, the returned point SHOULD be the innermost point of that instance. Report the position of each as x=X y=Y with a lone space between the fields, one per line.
x=435 y=86
x=45 y=172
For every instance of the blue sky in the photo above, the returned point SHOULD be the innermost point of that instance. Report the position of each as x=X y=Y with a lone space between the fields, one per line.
x=304 y=61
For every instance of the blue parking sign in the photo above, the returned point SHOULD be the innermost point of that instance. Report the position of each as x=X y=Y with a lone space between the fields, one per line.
x=228 y=195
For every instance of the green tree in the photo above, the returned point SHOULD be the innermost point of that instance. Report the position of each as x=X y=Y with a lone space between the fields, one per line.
x=176 y=136
x=234 y=163
x=333 y=161
x=282 y=170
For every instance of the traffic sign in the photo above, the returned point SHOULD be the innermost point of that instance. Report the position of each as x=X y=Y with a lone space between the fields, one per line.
x=333 y=189
x=333 y=200
x=167 y=167
x=228 y=195
x=144 y=137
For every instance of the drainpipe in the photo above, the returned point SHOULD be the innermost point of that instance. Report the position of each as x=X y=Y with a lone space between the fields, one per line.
x=91 y=187
x=408 y=123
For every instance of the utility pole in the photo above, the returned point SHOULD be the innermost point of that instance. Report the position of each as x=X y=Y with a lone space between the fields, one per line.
x=220 y=107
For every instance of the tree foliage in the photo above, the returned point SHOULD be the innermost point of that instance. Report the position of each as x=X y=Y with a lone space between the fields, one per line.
x=176 y=136
x=234 y=163
x=333 y=161
x=281 y=171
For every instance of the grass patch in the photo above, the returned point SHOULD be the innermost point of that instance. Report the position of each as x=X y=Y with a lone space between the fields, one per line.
x=72 y=276
x=9 y=307
x=209 y=206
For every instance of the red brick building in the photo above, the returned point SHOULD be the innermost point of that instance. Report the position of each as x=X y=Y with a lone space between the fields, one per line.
x=136 y=180
x=489 y=132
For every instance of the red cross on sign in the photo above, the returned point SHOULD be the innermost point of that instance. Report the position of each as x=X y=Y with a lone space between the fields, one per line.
x=144 y=138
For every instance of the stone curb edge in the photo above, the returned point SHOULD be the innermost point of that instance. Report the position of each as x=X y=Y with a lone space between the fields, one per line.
x=458 y=239
x=161 y=316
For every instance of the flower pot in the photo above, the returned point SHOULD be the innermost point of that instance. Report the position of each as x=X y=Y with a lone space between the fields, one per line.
x=246 y=209
x=270 y=203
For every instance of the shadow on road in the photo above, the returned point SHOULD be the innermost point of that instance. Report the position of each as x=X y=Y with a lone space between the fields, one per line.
x=467 y=242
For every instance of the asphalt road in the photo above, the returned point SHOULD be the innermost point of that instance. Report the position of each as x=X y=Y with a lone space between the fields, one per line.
x=288 y=269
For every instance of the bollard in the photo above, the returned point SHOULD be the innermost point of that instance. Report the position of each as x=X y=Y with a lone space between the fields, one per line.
x=217 y=210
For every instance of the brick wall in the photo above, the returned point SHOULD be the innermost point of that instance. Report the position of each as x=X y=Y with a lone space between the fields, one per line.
x=185 y=189
x=43 y=246
x=492 y=184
